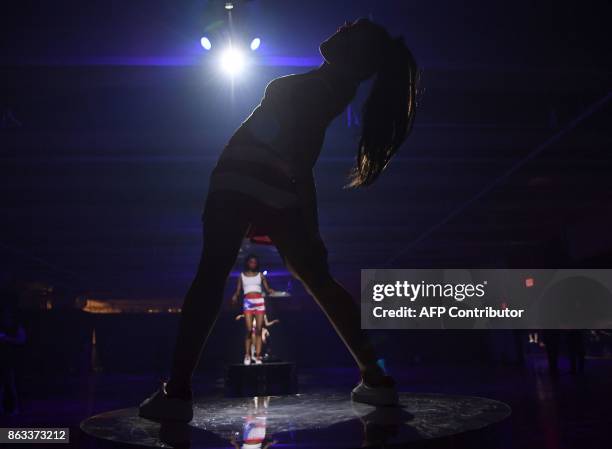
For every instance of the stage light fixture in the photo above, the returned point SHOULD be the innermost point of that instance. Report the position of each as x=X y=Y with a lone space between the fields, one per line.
x=255 y=43
x=229 y=6
x=232 y=61
x=205 y=42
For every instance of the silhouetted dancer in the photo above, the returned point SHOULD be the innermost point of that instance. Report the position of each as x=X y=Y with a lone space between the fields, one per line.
x=263 y=181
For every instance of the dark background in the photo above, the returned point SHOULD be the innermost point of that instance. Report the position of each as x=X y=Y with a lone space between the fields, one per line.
x=113 y=116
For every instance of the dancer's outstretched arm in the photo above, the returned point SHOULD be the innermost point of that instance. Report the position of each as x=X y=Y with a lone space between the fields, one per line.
x=266 y=286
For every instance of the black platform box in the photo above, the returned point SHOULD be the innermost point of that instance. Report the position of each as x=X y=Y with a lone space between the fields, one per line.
x=268 y=379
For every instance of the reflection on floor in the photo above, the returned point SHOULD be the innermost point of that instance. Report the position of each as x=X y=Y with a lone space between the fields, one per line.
x=569 y=412
x=304 y=421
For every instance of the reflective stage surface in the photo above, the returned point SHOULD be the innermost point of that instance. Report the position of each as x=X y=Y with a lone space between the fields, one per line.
x=307 y=421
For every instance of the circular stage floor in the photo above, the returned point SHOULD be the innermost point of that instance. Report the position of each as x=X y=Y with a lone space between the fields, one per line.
x=303 y=420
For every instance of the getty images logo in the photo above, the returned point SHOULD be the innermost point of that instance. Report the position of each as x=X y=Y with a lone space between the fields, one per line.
x=413 y=291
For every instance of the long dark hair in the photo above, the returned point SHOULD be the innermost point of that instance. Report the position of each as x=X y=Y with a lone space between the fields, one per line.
x=388 y=113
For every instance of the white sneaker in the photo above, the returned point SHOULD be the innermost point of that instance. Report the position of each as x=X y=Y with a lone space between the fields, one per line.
x=159 y=407
x=378 y=396
x=247 y=360
x=258 y=361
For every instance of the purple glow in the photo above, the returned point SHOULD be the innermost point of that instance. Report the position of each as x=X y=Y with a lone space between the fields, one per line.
x=291 y=61
x=274 y=61
x=271 y=273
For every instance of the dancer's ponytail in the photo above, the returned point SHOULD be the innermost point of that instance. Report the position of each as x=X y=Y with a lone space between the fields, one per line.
x=388 y=113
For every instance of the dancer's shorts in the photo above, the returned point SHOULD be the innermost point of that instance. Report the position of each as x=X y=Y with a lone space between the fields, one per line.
x=254 y=303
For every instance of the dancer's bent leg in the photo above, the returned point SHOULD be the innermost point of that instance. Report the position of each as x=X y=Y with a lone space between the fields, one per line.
x=225 y=224
x=305 y=256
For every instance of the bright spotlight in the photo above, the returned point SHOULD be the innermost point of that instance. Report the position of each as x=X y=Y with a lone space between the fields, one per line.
x=229 y=6
x=255 y=43
x=265 y=272
x=232 y=61
x=205 y=42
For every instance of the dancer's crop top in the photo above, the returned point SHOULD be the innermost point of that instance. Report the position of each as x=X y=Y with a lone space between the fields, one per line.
x=285 y=132
x=251 y=284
